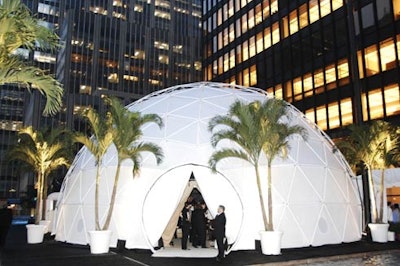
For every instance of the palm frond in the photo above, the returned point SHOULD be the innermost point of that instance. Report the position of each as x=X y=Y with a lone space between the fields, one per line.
x=222 y=154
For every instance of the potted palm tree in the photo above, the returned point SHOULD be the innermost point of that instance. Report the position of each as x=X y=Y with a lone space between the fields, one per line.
x=43 y=153
x=376 y=146
x=123 y=129
x=21 y=29
x=258 y=128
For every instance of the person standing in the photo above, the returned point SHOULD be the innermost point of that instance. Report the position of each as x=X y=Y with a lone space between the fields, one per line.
x=5 y=223
x=185 y=216
x=199 y=227
x=396 y=213
x=389 y=212
x=219 y=231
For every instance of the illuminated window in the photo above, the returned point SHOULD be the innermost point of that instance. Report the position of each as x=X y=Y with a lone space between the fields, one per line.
x=231 y=33
x=279 y=91
x=321 y=118
x=330 y=74
x=164 y=59
x=197 y=65
x=232 y=59
x=343 y=69
x=267 y=38
x=243 y=3
x=372 y=102
x=220 y=65
x=179 y=49
x=239 y=54
x=246 y=77
x=260 y=42
x=84 y=89
x=245 y=51
x=138 y=8
x=285 y=26
x=266 y=9
x=360 y=64
x=161 y=45
x=219 y=17
x=303 y=16
x=252 y=47
x=220 y=41
x=333 y=114
x=325 y=6
x=297 y=88
x=308 y=85
x=346 y=109
x=113 y=78
x=336 y=4
x=251 y=20
x=98 y=10
x=131 y=78
x=231 y=11
x=275 y=33
x=259 y=17
x=238 y=28
x=253 y=75
x=244 y=23
x=226 y=62
x=371 y=60
x=274 y=6
x=293 y=22
x=392 y=99
x=162 y=14
x=44 y=57
x=396 y=9
x=319 y=78
x=388 y=54
x=313 y=10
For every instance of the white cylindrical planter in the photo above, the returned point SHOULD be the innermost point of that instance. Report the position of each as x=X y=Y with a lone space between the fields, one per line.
x=271 y=242
x=46 y=224
x=35 y=233
x=100 y=241
x=391 y=236
x=379 y=232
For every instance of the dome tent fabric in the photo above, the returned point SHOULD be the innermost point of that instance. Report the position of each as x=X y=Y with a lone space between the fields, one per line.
x=314 y=204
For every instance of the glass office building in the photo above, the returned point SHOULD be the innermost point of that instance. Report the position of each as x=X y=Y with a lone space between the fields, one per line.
x=122 y=48
x=335 y=60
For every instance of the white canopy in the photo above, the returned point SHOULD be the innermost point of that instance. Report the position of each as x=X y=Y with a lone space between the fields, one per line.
x=314 y=200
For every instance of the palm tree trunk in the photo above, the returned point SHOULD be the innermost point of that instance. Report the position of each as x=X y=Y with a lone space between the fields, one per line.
x=44 y=196
x=113 y=196
x=264 y=214
x=270 y=225
x=372 y=195
x=39 y=199
x=96 y=198
x=382 y=186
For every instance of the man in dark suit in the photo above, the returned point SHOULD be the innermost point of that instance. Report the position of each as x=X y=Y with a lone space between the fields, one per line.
x=185 y=216
x=5 y=223
x=199 y=227
x=219 y=231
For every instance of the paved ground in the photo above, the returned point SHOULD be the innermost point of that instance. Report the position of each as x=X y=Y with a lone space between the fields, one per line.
x=18 y=253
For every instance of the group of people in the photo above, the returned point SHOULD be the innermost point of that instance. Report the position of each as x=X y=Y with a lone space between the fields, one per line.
x=393 y=213
x=196 y=221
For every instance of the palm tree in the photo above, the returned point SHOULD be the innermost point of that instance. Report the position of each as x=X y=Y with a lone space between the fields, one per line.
x=97 y=144
x=376 y=146
x=257 y=128
x=126 y=138
x=43 y=154
x=19 y=29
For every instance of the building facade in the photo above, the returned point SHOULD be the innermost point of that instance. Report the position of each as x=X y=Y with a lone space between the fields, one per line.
x=335 y=60
x=121 y=48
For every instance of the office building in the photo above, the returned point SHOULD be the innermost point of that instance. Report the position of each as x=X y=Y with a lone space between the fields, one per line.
x=337 y=61
x=122 y=48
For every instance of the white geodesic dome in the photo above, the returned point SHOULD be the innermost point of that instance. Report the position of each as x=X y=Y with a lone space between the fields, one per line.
x=314 y=201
